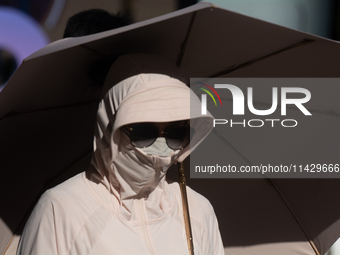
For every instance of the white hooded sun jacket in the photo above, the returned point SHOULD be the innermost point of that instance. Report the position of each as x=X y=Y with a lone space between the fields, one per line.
x=122 y=204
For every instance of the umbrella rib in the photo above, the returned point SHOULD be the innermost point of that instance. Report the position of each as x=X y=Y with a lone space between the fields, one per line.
x=185 y=44
x=9 y=243
x=14 y=114
x=93 y=51
x=224 y=140
x=297 y=220
x=250 y=62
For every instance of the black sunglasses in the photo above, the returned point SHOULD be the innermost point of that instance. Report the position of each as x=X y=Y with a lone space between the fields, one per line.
x=145 y=134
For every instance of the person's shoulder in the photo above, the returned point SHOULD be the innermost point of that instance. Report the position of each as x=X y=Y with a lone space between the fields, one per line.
x=199 y=206
x=72 y=193
x=66 y=188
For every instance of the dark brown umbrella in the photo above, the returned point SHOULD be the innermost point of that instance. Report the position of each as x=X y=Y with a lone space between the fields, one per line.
x=47 y=115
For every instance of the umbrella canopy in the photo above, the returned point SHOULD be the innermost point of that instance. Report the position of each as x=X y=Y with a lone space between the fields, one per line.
x=47 y=116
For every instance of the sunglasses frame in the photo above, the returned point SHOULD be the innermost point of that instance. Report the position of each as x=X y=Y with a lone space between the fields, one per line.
x=128 y=130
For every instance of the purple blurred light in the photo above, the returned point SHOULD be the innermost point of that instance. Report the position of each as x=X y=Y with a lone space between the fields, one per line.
x=20 y=34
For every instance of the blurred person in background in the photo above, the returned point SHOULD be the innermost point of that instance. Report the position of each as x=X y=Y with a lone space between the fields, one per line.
x=93 y=21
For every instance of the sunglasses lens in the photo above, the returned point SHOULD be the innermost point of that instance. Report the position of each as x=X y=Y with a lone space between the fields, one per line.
x=178 y=137
x=143 y=135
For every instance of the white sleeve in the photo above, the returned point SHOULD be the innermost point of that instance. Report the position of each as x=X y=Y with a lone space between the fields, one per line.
x=39 y=235
x=204 y=225
x=215 y=241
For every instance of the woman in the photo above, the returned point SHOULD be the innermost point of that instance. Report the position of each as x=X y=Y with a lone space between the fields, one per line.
x=122 y=204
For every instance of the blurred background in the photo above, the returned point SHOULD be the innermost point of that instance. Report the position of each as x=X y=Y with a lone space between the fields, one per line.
x=28 y=25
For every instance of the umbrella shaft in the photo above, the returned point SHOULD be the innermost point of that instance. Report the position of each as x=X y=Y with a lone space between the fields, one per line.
x=182 y=184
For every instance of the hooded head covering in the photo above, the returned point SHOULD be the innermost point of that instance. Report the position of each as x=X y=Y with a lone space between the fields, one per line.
x=141 y=88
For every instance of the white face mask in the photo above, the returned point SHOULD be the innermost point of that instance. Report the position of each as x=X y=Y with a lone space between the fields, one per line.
x=158 y=148
x=142 y=169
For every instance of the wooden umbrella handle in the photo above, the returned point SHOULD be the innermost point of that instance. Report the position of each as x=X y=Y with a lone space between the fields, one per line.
x=182 y=184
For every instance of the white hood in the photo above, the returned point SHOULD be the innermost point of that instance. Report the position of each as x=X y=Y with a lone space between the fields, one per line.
x=126 y=171
x=122 y=203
